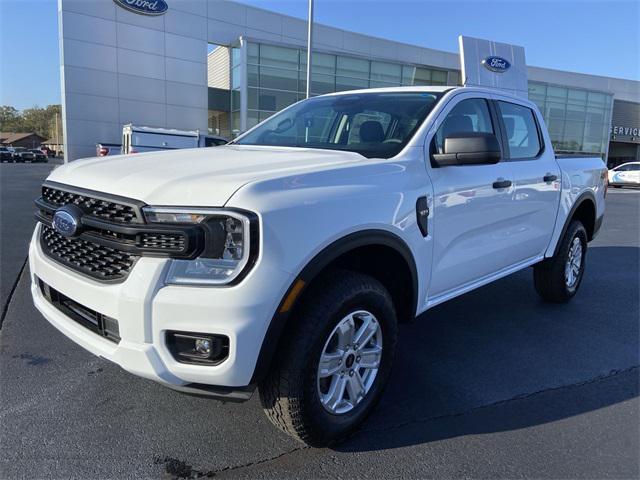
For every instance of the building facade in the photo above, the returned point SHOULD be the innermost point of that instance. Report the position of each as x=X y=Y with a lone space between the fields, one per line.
x=222 y=67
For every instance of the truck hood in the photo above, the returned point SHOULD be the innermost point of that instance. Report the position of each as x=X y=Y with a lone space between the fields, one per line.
x=195 y=177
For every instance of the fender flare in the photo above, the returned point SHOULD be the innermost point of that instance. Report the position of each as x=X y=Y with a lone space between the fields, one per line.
x=583 y=197
x=327 y=255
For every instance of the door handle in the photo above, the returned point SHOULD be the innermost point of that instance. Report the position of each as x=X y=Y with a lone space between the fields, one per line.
x=549 y=177
x=502 y=183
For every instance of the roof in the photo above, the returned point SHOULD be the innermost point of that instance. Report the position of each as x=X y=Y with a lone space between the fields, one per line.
x=413 y=88
x=11 y=137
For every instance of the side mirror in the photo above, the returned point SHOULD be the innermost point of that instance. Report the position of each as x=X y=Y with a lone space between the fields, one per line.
x=468 y=148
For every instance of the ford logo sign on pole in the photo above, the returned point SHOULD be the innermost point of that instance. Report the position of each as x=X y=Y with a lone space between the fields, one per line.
x=496 y=64
x=66 y=221
x=144 y=7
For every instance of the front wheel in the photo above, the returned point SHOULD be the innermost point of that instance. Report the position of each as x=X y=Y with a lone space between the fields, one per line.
x=335 y=360
x=558 y=278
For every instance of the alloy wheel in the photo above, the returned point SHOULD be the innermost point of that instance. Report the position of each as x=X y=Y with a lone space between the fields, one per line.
x=349 y=362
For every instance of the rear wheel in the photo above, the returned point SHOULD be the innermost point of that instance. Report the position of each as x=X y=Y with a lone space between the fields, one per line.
x=335 y=361
x=558 y=278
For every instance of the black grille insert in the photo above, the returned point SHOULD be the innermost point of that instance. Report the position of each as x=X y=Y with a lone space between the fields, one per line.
x=97 y=261
x=103 y=325
x=101 y=208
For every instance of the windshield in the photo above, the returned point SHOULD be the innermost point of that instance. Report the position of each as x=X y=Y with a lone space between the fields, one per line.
x=375 y=125
x=20 y=149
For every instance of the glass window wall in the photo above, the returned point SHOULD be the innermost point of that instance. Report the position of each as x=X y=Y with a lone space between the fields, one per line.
x=276 y=78
x=577 y=120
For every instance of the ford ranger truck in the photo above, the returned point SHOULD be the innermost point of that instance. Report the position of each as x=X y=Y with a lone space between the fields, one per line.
x=285 y=260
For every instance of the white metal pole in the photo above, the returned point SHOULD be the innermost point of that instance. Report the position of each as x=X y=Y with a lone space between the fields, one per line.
x=309 y=47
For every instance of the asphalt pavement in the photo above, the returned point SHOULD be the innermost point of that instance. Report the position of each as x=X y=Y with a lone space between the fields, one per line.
x=494 y=384
x=19 y=186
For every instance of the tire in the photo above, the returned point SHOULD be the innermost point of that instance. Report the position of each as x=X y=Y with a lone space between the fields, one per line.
x=293 y=393
x=550 y=277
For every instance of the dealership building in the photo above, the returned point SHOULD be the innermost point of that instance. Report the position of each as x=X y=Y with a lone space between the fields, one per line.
x=221 y=67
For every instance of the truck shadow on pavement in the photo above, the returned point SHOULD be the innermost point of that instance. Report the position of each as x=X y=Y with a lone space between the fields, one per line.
x=501 y=343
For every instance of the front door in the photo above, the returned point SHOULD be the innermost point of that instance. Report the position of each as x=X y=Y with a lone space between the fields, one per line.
x=473 y=206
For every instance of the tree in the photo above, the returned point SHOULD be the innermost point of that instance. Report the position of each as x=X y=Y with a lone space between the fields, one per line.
x=39 y=120
x=10 y=119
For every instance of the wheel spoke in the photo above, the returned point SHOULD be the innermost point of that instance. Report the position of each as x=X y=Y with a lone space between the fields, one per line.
x=329 y=364
x=370 y=357
x=355 y=387
x=335 y=395
x=345 y=332
x=366 y=331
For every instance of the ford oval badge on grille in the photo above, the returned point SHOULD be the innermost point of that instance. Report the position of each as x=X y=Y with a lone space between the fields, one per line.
x=66 y=220
x=496 y=64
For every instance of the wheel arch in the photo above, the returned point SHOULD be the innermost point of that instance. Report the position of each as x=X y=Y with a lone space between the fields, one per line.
x=584 y=209
x=362 y=244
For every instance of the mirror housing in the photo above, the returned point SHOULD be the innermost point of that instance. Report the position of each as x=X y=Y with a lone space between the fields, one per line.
x=469 y=148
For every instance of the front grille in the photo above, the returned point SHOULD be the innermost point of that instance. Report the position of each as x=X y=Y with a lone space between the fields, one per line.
x=96 y=207
x=97 y=261
x=163 y=241
x=111 y=234
x=103 y=325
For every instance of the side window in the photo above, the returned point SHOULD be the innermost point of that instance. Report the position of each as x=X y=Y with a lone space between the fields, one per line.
x=521 y=130
x=629 y=167
x=468 y=116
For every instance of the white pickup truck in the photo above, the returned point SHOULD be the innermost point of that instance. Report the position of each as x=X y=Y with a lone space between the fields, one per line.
x=286 y=259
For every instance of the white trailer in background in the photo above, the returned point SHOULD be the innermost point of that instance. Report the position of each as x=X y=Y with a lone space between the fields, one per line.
x=137 y=139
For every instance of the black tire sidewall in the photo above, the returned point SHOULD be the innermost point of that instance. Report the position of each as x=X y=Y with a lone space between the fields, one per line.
x=576 y=229
x=327 y=425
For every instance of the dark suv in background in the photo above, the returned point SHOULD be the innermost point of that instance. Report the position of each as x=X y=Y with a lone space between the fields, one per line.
x=38 y=156
x=5 y=155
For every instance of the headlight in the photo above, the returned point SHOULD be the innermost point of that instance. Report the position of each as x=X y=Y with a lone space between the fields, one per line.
x=227 y=250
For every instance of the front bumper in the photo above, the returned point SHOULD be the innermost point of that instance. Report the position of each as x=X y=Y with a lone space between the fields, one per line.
x=145 y=309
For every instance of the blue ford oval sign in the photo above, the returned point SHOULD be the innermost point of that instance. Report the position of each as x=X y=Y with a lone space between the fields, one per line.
x=496 y=64
x=144 y=7
x=66 y=221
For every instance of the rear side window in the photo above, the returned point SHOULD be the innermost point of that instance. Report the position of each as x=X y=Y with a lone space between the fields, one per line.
x=521 y=130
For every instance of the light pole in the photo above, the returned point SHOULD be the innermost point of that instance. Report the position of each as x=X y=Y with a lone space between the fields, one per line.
x=309 y=47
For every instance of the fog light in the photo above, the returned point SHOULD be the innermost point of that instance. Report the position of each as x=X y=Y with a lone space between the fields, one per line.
x=198 y=348
x=203 y=346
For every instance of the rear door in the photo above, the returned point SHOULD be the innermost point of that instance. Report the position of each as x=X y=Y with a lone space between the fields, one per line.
x=536 y=177
x=473 y=215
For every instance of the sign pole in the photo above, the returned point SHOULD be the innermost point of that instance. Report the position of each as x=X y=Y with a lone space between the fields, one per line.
x=309 y=47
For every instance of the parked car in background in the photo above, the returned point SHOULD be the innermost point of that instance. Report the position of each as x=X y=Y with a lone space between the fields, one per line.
x=5 y=155
x=625 y=175
x=38 y=156
x=21 y=155
x=48 y=152
x=108 y=149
